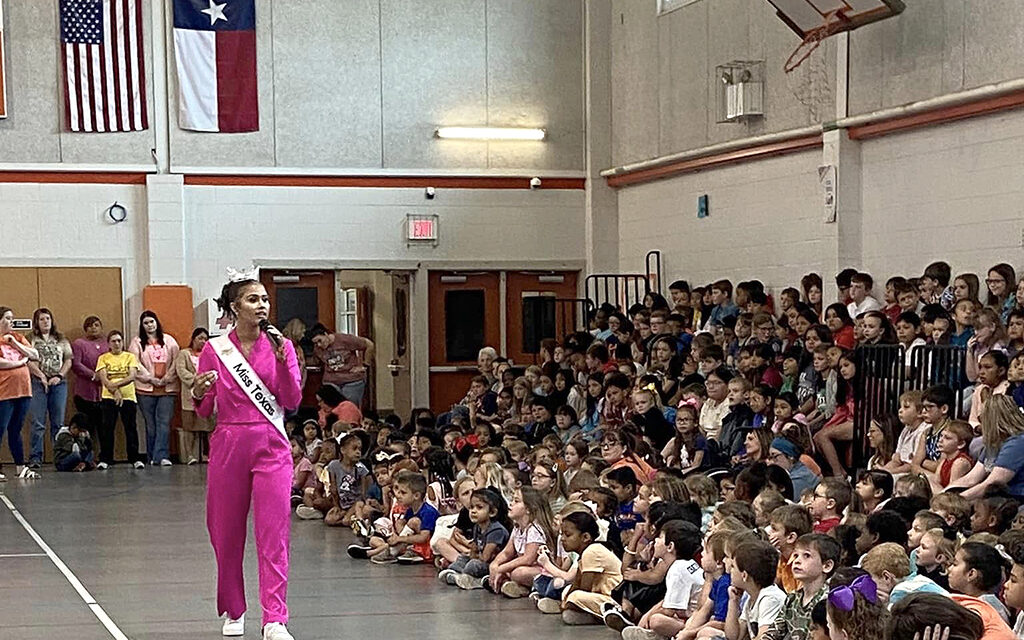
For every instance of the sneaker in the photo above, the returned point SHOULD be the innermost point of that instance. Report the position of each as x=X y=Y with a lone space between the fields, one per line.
x=514 y=590
x=276 y=631
x=447 y=576
x=3 y=478
x=234 y=627
x=359 y=551
x=35 y=465
x=103 y=466
x=28 y=474
x=615 y=620
x=410 y=557
x=549 y=605
x=139 y=464
x=575 y=618
x=191 y=461
x=468 y=582
x=308 y=513
x=166 y=463
x=363 y=528
x=639 y=633
x=384 y=558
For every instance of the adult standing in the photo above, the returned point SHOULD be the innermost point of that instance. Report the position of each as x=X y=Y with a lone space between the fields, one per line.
x=116 y=370
x=85 y=352
x=15 y=388
x=156 y=384
x=193 y=428
x=344 y=358
x=49 y=381
x=250 y=456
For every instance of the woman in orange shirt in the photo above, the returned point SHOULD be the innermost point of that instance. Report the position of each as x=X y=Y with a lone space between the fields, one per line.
x=15 y=388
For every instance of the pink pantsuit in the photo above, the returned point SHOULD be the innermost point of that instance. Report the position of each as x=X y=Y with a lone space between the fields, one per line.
x=250 y=461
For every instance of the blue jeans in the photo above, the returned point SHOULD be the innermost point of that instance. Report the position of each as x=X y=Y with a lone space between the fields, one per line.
x=52 y=400
x=69 y=463
x=12 y=416
x=157 y=412
x=353 y=392
x=545 y=588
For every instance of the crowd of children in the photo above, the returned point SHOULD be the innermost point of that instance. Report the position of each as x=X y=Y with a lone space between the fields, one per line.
x=684 y=471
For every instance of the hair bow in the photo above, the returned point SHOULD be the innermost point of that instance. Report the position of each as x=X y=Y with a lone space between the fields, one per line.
x=1002 y=551
x=688 y=402
x=471 y=439
x=649 y=387
x=843 y=597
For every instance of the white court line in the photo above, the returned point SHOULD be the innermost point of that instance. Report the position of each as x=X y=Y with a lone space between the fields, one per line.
x=97 y=610
x=22 y=555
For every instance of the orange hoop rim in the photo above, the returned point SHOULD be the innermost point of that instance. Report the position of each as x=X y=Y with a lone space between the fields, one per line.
x=834 y=22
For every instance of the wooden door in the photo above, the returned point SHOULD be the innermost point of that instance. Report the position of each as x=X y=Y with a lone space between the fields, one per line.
x=401 y=358
x=464 y=317
x=306 y=296
x=539 y=306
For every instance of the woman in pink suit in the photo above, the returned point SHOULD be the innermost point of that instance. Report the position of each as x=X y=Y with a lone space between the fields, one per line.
x=251 y=376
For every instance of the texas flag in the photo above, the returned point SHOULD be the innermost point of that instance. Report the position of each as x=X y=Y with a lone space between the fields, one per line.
x=215 y=49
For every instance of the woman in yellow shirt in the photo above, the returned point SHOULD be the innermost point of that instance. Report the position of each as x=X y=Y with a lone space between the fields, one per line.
x=116 y=370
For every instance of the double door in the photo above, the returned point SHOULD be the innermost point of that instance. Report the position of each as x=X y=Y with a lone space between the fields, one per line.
x=511 y=311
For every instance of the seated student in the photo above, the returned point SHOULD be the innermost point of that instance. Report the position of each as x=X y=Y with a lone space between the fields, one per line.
x=595 y=575
x=677 y=544
x=954 y=509
x=72 y=450
x=317 y=501
x=623 y=483
x=934 y=555
x=831 y=497
x=786 y=454
x=889 y=566
x=853 y=610
x=937 y=405
x=410 y=543
x=513 y=570
x=349 y=481
x=1013 y=591
x=977 y=571
x=874 y=488
x=730 y=438
x=754 y=600
x=709 y=618
x=331 y=402
x=765 y=504
x=487 y=510
x=913 y=428
x=786 y=525
x=954 y=460
x=815 y=557
x=882 y=526
x=993 y=514
x=649 y=416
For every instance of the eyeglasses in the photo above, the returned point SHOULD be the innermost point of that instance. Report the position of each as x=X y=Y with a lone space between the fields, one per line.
x=775 y=456
x=608 y=444
x=818 y=495
x=539 y=476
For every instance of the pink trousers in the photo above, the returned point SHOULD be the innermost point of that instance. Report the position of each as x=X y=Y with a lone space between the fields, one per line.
x=250 y=463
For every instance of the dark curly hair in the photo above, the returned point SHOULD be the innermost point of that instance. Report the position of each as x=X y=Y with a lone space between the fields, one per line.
x=231 y=292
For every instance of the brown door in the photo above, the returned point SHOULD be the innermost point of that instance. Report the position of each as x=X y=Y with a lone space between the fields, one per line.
x=400 y=362
x=306 y=296
x=464 y=317
x=540 y=305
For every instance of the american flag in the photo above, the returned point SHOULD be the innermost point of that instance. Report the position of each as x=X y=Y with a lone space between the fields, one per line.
x=104 y=68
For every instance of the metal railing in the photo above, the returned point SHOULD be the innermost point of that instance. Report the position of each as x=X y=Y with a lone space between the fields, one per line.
x=881 y=372
x=621 y=290
x=653 y=263
x=940 y=364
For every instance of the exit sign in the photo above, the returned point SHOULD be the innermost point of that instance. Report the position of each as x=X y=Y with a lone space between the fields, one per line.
x=421 y=228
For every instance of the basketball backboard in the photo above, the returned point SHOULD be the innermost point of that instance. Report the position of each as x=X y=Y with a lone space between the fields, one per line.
x=804 y=16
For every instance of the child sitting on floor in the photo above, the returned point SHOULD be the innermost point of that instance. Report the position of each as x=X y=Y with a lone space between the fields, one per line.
x=487 y=510
x=72 y=450
x=512 y=571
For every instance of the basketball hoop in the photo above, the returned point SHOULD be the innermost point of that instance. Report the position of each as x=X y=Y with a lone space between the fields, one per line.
x=834 y=23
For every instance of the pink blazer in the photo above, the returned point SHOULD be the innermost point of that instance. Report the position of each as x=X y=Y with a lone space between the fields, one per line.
x=146 y=365
x=232 y=404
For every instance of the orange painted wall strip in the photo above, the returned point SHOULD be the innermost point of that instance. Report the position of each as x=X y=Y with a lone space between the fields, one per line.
x=72 y=177
x=384 y=182
x=706 y=162
x=938 y=116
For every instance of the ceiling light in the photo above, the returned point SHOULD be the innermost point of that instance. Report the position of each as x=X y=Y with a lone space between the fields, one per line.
x=490 y=133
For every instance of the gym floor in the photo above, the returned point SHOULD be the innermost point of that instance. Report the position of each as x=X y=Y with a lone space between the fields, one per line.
x=135 y=543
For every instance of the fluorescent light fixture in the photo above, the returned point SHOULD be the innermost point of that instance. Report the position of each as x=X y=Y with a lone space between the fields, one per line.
x=490 y=133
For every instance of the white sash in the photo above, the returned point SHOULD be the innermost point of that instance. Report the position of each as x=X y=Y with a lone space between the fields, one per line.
x=250 y=383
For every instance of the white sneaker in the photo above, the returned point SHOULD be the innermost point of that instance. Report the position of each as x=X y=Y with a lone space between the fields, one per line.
x=139 y=464
x=276 y=631
x=28 y=474
x=308 y=513
x=103 y=466
x=166 y=463
x=192 y=461
x=234 y=627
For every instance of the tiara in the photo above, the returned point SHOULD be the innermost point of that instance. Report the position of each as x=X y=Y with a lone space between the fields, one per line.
x=240 y=276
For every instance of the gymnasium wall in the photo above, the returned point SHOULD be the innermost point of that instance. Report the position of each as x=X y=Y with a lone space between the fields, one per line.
x=764 y=222
x=663 y=92
x=353 y=84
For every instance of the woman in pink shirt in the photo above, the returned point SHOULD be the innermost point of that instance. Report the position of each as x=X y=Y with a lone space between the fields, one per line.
x=250 y=457
x=156 y=384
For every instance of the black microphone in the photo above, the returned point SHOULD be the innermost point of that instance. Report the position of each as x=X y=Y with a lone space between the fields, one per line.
x=272 y=333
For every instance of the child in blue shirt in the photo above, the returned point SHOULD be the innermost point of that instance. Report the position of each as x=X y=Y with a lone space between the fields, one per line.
x=715 y=594
x=624 y=485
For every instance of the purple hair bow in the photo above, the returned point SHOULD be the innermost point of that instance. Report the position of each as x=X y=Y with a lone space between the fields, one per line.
x=842 y=598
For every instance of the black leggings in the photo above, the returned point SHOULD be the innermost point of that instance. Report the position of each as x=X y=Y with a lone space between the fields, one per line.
x=131 y=432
